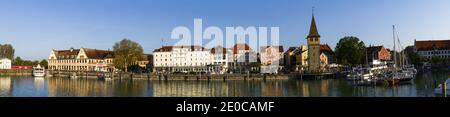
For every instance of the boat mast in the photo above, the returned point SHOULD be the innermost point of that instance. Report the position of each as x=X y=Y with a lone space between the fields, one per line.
x=395 y=57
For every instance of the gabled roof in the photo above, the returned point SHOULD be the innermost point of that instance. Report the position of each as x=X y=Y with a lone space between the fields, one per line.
x=280 y=48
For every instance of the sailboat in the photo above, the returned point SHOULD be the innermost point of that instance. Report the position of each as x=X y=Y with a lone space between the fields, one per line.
x=399 y=75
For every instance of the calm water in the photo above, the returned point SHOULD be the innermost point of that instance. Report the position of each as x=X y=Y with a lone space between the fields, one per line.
x=422 y=86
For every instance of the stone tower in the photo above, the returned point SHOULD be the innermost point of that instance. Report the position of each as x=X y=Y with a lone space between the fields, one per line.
x=313 y=40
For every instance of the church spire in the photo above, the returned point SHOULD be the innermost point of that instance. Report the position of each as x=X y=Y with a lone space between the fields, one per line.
x=313 y=29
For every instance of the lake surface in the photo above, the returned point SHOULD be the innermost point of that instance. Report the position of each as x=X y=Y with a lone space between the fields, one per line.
x=27 y=86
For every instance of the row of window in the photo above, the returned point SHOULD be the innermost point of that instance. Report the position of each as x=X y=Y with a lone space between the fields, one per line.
x=180 y=54
x=82 y=68
x=81 y=61
x=179 y=64
x=201 y=59
x=436 y=52
x=440 y=56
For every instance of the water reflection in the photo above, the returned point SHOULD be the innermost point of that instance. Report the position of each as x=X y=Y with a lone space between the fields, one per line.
x=423 y=85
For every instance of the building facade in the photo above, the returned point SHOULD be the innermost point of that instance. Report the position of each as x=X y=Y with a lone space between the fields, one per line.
x=183 y=58
x=83 y=59
x=378 y=54
x=433 y=48
x=221 y=59
x=326 y=56
x=243 y=56
x=272 y=59
x=5 y=63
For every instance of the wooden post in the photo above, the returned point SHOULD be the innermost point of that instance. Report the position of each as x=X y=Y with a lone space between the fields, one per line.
x=444 y=89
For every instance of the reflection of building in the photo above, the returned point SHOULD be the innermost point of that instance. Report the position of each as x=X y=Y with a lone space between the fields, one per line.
x=190 y=89
x=271 y=59
x=313 y=40
x=5 y=86
x=83 y=59
x=5 y=63
x=433 y=48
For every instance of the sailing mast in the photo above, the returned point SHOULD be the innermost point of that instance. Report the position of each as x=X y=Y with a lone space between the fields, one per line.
x=395 y=55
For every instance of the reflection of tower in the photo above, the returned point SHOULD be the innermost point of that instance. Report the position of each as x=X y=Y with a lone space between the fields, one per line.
x=313 y=40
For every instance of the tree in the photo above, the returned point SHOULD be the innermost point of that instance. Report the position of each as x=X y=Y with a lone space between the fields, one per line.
x=18 y=61
x=44 y=63
x=7 y=51
x=126 y=53
x=350 y=51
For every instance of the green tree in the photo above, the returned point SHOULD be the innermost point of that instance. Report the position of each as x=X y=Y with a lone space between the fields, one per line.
x=7 y=51
x=44 y=63
x=126 y=53
x=18 y=61
x=415 y=58
x=350 y=51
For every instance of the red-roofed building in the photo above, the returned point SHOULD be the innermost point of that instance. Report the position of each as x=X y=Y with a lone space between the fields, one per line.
x=433 y=48
x=83 y=59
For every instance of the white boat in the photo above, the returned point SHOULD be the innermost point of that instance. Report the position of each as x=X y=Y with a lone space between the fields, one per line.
x=438 y=90
x=73 y=76
x=38 y=71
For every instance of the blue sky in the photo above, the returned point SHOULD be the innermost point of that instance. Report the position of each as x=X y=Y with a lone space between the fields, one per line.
x=34 y=27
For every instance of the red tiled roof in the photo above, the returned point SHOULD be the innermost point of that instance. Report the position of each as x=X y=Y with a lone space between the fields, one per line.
x=220 y=49
x=90 y=53
x=237 y=47
x=97 y=54
x=280 y=48
x=325 y=48
x=432 y=45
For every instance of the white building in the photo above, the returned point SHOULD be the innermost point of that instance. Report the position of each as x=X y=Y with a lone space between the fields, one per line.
x=221 y=59
x=271 y=59
x=83 y=59
x=5 y=63
x=433 y=48
x=243 y=55
x=184 y=59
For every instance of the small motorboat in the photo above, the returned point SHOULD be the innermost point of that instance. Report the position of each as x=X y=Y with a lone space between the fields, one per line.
x=73 y=76
x=439 y=89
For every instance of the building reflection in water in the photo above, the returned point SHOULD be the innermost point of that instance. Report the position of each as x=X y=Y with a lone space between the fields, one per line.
x=40 y=87
x=5 y=86
x=26 y=86
x=59 y=87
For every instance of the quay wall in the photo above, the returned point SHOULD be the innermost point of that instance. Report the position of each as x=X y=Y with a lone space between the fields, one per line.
x=16 y=72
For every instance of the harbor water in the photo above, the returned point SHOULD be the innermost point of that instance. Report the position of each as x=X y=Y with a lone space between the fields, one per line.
x=26 y=86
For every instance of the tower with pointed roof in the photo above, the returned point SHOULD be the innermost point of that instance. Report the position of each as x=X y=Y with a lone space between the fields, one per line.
x=313 y=41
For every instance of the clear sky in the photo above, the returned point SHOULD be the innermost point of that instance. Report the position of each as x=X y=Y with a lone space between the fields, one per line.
x=34 y=27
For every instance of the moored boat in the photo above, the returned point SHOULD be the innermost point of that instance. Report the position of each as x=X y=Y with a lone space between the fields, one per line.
x=38 y=71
